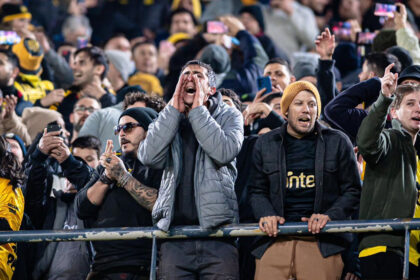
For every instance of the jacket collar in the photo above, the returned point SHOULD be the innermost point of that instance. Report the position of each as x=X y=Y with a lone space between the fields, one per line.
x=396 y=124
x=319 y=130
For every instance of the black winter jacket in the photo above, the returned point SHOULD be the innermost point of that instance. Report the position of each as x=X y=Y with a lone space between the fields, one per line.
x=337 y=182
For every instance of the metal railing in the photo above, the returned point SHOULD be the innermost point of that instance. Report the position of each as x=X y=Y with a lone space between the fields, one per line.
x=237 y=230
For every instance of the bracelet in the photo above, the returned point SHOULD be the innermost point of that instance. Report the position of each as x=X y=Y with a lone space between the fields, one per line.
x=123 y=180
x=104 y=179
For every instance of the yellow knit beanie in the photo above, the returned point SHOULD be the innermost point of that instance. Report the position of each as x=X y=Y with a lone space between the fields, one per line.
x=293 y=89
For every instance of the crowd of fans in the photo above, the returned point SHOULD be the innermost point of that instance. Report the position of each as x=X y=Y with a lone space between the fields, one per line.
x=129 y=113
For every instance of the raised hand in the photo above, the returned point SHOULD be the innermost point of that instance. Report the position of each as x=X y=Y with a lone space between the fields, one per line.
x=200 y=96
x=400 y=17
x=9 y=108
x=325 y=45
x=389 y=81
x=177 y=101
x=60 y=153
x=49 y=141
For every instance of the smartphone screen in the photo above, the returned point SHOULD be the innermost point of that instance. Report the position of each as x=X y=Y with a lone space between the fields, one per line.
x=385 y=10
x=342 y=30
x=264 y=82
x=365 y=38
x=216 y=27
x=8 y=37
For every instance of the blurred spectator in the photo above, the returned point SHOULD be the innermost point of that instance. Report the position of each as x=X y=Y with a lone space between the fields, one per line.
x=37 y=118
x=145 y=57
x=402 y=55
x=87 y=148
x=390 y=174
x=385 y=39
x=90 y=68
x=29 y=83
x=81 y=111
x=9 y=121
x=119 y=69
x=247 y=60
x=15 y=17
x=375 y=64
x=17 y=147
x=75 y=29
x=414 y=14
x=54 y=177
x=320 y=9
x=283 y=257
x=231 y=98
x=346 y=10
x=62 y=75
x=182 y=21
x=118 y=42
x=217 y=8
x=188 y=198
x=118 y=197
x=347 y=110
x=280 y=74
x=305 y=70
x=295 y=23
x=11 y=206
x=405 y=35
x=253 y=20
x=100 y=123
x=218 y=58
x=9 y=70
x=193 y=6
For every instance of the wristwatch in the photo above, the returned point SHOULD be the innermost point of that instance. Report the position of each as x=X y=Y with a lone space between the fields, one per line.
x=104 y=179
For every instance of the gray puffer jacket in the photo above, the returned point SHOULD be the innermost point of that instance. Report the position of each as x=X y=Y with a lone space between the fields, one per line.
x=220 y=137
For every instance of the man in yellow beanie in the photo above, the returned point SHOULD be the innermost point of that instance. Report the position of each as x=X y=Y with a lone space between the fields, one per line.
x=302 y=172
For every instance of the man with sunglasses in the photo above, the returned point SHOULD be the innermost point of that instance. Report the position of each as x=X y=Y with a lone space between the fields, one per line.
x=111 y=200
x=81 y=111
x=196 y=138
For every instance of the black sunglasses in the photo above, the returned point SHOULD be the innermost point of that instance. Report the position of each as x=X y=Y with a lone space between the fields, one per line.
x=125 y=127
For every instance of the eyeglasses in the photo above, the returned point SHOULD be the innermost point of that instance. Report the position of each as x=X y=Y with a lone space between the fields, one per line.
x=84 y=109
x=125 y=127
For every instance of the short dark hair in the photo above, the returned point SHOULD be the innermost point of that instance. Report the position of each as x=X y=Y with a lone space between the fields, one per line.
x=402 y=91
x=378 y=61
x=97 y=56
x=88 y=142
x=210 y=73
x=154 y=102
x=182 y=11
x=138 y=44
x=11 y=57
x=113 y=36
x=269 y=98
x=278 y=60
x=232 y=95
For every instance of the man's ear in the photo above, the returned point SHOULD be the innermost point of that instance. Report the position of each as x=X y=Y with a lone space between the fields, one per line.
x=98 y=70
x=393 y=113
x=15 y=73
x=371 y=75
x=292 y=79
x=212 y=90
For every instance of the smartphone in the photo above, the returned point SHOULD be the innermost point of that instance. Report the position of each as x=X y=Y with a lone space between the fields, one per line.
x=216 y=27
x=53 y=126
x=342 y=30
x=264 y=82
x=8 y=37
x=365 y=38
x=385 y=10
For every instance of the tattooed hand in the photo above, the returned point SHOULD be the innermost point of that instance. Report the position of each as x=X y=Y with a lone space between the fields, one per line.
x=114 y=167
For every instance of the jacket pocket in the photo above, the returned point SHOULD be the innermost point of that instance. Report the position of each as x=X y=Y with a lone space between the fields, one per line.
x=331 y=166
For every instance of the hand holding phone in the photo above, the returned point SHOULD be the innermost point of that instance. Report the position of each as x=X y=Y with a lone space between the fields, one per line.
x=385 y=10
x=264 y=82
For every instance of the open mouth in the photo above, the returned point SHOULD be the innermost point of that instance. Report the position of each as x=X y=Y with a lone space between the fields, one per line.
x=78 y=75
x=190 y=90
x=304 y=119
x=416 y=119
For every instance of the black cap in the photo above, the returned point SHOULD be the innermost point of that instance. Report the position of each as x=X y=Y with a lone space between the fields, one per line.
x=128 y=89
x=144 y=116
x=411 y=72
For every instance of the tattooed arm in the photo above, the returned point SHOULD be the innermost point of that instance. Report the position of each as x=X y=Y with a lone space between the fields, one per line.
x=144 y=196
x=115 y=170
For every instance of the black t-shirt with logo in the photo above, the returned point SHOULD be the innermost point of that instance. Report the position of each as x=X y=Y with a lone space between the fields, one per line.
x=300 y=187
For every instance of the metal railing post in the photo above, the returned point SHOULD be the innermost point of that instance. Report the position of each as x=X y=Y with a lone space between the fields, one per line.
x=154 y=259
x=406 y=254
